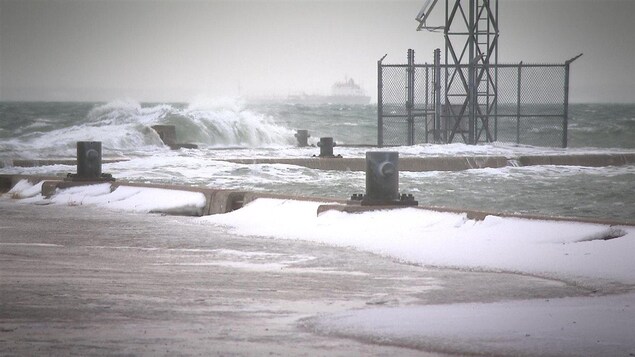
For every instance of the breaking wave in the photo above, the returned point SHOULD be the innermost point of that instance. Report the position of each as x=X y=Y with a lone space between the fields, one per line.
x=124 y=126
x=225 y=122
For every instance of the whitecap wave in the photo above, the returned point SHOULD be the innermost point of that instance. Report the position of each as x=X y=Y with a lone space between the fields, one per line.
x=226 y=122
x=124 y=128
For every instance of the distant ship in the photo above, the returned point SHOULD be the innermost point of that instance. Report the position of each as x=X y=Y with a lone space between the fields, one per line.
x=346 y=92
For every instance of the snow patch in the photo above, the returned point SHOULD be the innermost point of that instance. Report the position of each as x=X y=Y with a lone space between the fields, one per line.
x=548 y=248
x=122 y=198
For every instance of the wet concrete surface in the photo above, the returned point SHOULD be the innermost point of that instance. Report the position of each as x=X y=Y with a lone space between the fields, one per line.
x=82 y=281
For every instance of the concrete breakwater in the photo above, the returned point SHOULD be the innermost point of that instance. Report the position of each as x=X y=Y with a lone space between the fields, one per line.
x=220 y=201
x=48 y=162
x=590 y=160
x=453 y=163
x=406 y=163
x=414 y=164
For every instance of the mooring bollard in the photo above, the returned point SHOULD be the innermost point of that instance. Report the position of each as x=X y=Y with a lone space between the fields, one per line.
x=382 y=176
x=382 y=182
x=167 y=133
x=89 y=163
x=303 y=137
x=88 y=159
x=326 y=147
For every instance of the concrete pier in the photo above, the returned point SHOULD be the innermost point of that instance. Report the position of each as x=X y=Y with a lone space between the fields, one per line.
x=93 y=282
x=88 y=281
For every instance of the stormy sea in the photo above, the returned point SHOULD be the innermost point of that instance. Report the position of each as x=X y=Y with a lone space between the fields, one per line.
x=233 y=128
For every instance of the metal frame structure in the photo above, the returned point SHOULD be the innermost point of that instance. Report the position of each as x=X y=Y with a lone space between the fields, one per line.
x=471 y=57
x=465 y=101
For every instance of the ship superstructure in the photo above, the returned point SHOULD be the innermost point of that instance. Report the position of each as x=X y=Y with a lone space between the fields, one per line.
x=346 y=92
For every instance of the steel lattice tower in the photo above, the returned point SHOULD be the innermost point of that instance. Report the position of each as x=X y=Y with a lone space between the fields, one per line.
x=471 y=58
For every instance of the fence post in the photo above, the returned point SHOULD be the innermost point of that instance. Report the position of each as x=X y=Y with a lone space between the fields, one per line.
x=437 y=95
x=565 y=119
x=518 y=99
x=380 y=104
x=427 y=100
x=411 y=93
x=565 y=114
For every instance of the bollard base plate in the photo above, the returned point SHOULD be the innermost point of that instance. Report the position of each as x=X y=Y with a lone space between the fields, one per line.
x=77 y=178
x=364 y=200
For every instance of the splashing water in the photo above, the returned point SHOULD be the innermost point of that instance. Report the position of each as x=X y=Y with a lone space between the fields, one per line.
x=124 y=127
x=226 y=122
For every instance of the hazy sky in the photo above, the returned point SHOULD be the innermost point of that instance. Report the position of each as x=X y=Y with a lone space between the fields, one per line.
x=173 y=50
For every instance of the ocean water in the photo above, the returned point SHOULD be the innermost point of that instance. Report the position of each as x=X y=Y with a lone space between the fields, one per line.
x=232 y=128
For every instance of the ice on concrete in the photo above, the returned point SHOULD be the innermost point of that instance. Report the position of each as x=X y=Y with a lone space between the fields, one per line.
x=122 y=198
x=598 y=325
x=25 y=189
x=548 y=248
x=588 y=326
x=603 y=326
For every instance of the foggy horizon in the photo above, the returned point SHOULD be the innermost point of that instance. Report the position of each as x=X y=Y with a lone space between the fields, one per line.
x=174 y=51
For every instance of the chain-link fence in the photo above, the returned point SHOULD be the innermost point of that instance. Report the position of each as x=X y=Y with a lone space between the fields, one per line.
x=531 y=105
x=518 y=103
x=401 y=123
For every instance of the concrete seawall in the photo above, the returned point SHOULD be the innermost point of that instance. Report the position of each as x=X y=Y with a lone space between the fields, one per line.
x=223 y=200
x=217 y=200
x=453 y=163
x=591 y=160
x=406 y=163
x=220 y=201
x=477 y=215
x=8 y=181
x=48 y=162
x=415 y=164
